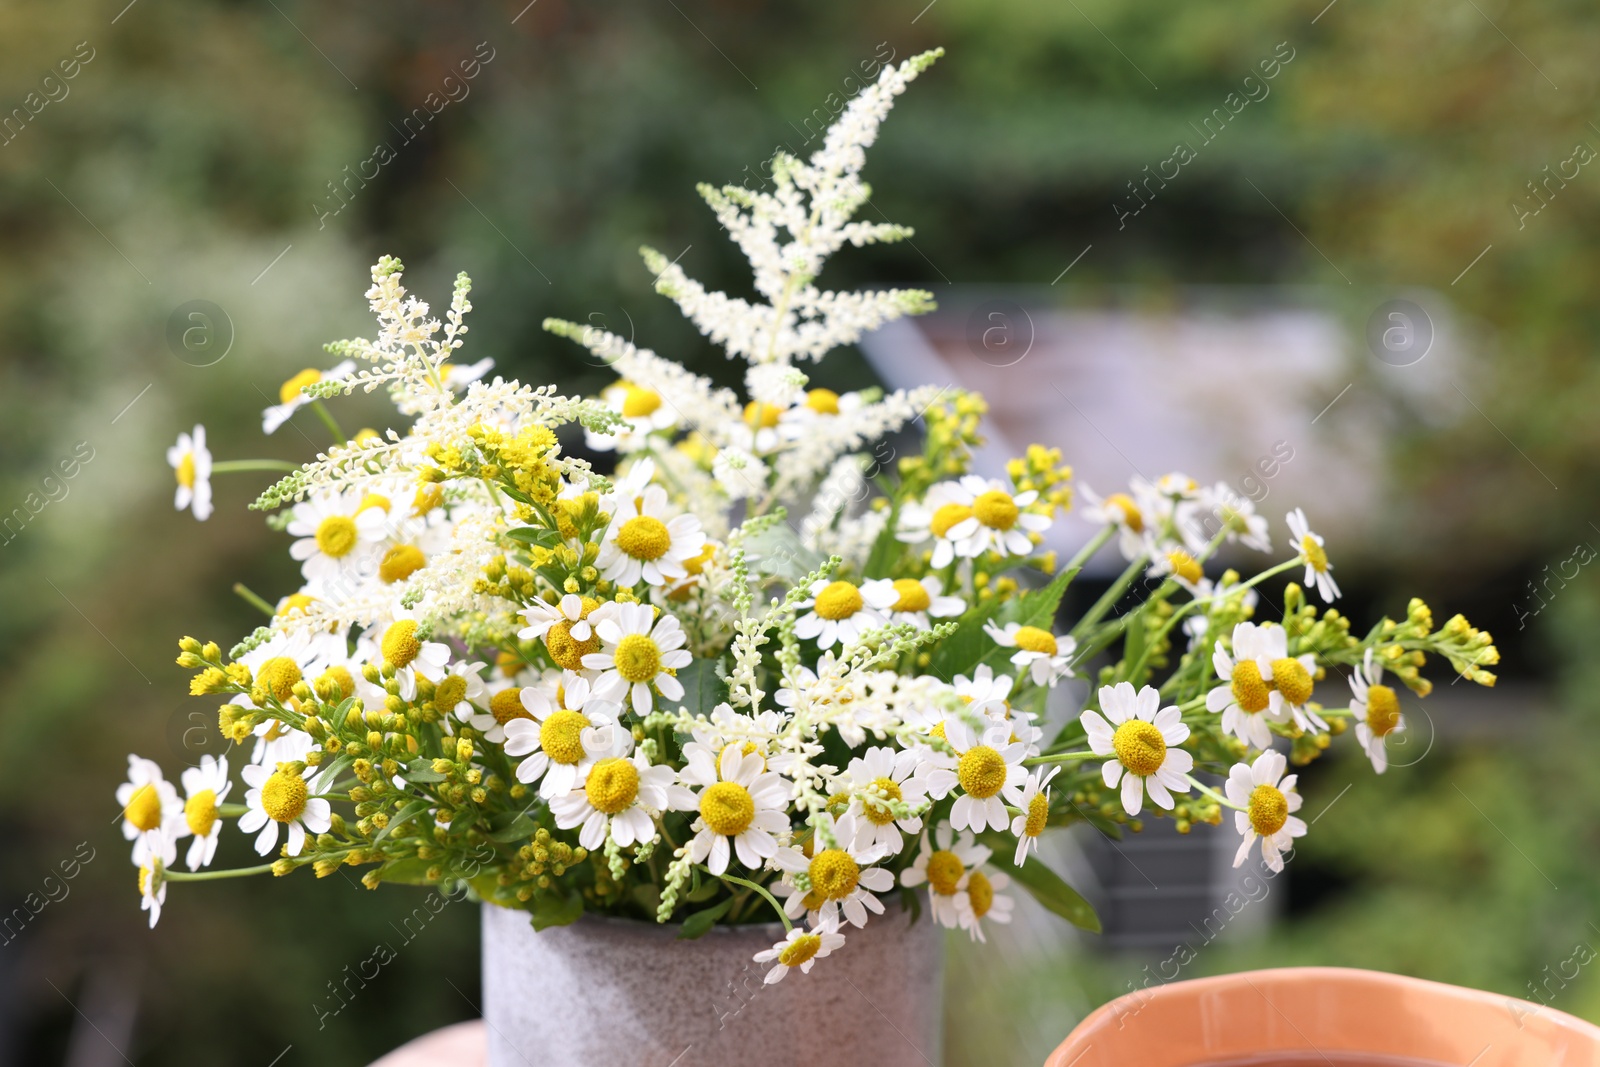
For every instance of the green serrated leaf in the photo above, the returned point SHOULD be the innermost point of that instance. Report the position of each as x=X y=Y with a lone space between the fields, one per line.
x=1048 y=888
x=701 y=922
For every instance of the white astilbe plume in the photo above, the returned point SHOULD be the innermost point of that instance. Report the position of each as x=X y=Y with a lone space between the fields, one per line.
x=844 y=486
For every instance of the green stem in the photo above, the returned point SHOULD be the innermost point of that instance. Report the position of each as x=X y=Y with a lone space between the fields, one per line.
x=246 y=594
x=329 y=421
x=1091 y=548
x=212 y=876
x=1212 y=793
x=787 y=925
x=1110 y=597
x=232 y=811
x=231 y=466
x=1064 y=757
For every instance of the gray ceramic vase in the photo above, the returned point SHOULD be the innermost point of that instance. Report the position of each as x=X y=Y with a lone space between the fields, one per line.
x=614 y=991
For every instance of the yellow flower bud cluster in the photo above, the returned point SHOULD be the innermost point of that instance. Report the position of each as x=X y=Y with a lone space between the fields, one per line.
x=1042 y=471
x=952 y=433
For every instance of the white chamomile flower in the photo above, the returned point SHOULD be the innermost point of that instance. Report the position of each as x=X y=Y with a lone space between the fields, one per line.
x=1377 y=709
x=562 y=741
x=935 y=518
x=985 y=693
x=841 y=880
x=564 y=627
x=278 y=742
x=1292 y=678
x=338 y=534
x=1034 y=801
x=739 y=473
x=408 y=654
x=1310 y=546
x=979 y=899
x=998 y=520
x=461 y=686
x=1121 y=511
x=916 y=601
x=801 y=948
x=162 y=853
x=1042 y=654
x=876 y=778
x=842 y=611
x=1244 y=697
x=634 y=655
x=290 y=397
x=643 y=412
x=742 y=806
x=985 y=766
x=1141 y=735
x=282 y=797
x=1179 y=565
x=620 y=797
x=818 y=408
x=190 y=461
x=1268 y=805
x=1219 y=508
x=204 y=788
x=457 y=377
x=149 y=803
x=644 y=543
x=942 y=863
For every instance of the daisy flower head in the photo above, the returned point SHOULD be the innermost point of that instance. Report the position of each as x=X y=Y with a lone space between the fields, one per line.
x=741 y=804
x=292 y=399
x=1217 y=509
x=1045 y=656
x=839 y=874
x=619 y=797
x=1292 y=678
x=999 y=521
x=190 y=461
x=1245 y=695
x=562 y=741
x=644 y=542
x=985 y=693
x=461 y=687
x=1142 y=736
x=985 y=766
x=337 y=538
x=1034 y=801
x=282 y=797
x=163 y=853
x=801 y=948
x=1268 y=802
x=1319 y=572
x=942 y=864
x=278 y=742
x=819 y=407
x=204 y=788
x=980 y=899
x=877 y=778
x=1121 y=511
x=404 y=646
x=149 y=803
x=636 y=655
x=1181 y=566
x=1377 y=709
x=643 y=412
x=941 y=511
x=842 y=611
x=564 y=628
x=918 y=601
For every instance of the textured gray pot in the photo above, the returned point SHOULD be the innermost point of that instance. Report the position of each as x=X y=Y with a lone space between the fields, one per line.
x=613 y=991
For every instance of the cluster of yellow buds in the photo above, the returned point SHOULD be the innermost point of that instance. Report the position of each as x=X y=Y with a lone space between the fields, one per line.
x=1042 y=471
x=952 y=434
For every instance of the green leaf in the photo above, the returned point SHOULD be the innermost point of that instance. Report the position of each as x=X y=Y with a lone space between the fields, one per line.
x=971 y=646
x=420 y=770
x=535 y=535
x=489 y=888
x=404 y=815
x=701 y=922
x=776 y=551
x=886 y=549
x=1048 y=888
x=704 y=889
x=556 y=909
x=702 y=689
x=519 y=828
x=408 y=871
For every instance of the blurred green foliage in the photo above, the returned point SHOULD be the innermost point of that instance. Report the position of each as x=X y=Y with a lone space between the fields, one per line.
x=187 y=153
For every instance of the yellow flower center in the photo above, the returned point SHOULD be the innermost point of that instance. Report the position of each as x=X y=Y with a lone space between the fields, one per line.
x=996 y=510
x=567 y=651
x=144 y=808
x=839 y=600
x=451 y=691
x=1314 y=554
x=1250 y=691
x=294 y=602
x=981 y=892
x=1383 y=710
x=336 y=536
x=638 y=658
x=913 y=595
x=1140 y=747
x=507 y=705
x=1269 y=809
x=336 y=683
x=283 y=796
x=944 y=871
x=888 y=789
x=373 y=500
x=823 y=401
x=947 y=516
x=561 y=736
x=200 y=811
x=290 y=389
x=1132 y=517
x=400 y=562
x=1033 y=639
x=400 y=645
x=278 y=676
x=1038 y=814
x=761 y=416
x=937 y=731
x=1292 y=680
x=428 y=497
x=186 y=470
x=1184 y=566
x=144 y=878
x=727 y=808
x=834 y=874
x=802 y=949
x=613 y=785
x=982 y=772
x=639 y=402
x=644 y=537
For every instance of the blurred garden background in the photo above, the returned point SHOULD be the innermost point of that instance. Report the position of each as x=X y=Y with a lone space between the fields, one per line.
x=191 y=155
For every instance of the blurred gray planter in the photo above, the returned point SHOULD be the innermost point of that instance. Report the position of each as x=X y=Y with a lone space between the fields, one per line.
x=615 y=991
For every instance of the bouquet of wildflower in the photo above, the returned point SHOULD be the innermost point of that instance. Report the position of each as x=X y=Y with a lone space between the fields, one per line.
x=747 y=673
